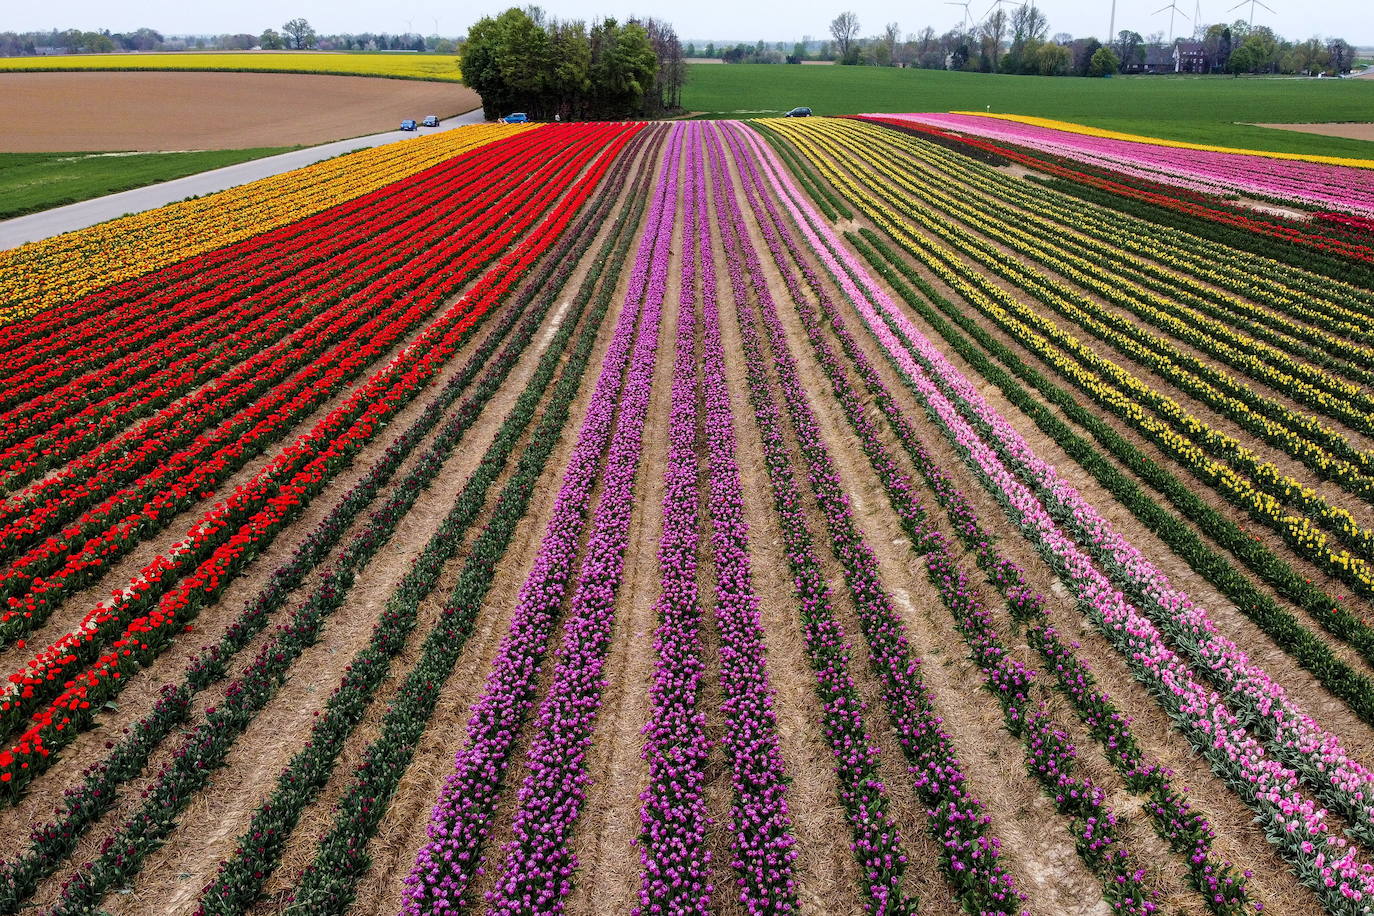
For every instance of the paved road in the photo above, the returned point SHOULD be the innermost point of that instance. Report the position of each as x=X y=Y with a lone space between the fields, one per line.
x=17 y=231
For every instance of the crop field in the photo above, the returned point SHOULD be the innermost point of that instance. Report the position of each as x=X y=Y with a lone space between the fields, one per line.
x=937 y=513
x=150 y=112
x=385 y=64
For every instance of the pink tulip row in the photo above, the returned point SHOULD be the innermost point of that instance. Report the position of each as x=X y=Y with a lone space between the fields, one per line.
x=440 y=880
x=674 y=876
x=958 y=819
x=1050 y=755
x=1341 y=187
x=1187 y=831
x=1305 y=834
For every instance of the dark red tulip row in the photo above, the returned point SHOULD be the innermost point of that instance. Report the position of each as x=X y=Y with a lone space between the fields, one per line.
x=205 y=749
x=341 y=856
x=84 y=804
x=1170 y=200
x=539 y=862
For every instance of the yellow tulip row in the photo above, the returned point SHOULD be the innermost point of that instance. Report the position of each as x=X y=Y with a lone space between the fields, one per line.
x=1070 y=127
x=58 y=270
x=443 y=67
x=1123 y=395
x=1045 y=241
x=1116 y=236
x=1301 y=436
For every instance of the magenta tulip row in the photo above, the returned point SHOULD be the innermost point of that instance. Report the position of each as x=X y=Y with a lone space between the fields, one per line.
x=874 y=838
x=440 y=881
x=675 y=860
x=958 y=820
x=1341 y=187
x=1305 y=834
x=673 y=850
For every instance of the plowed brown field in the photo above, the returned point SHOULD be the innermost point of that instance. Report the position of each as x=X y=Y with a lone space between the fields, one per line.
x=56 y=112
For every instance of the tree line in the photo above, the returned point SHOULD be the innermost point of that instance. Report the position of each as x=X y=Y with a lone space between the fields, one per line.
x=295 y=34
x=521 y=60
x=1020 y=42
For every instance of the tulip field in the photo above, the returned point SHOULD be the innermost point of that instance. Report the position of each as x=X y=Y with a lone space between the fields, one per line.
x=922 y=513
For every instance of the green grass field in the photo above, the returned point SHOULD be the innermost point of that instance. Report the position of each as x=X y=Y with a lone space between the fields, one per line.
x=1216 y=110
x=30 y=182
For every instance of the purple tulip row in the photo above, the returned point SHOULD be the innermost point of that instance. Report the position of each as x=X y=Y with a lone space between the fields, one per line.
x=1186 y=830
x=958 y=820
x=1342 y=187
x=1050 y=756
x=440 y=880
x=675 y=860
x=1301 y=829
x=875 y=840
x=539 y=862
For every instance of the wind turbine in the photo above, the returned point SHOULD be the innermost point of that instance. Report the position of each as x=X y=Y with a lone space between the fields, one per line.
x=1173 y=8
x=1197 y=19
x=968 y=17
x=998 y=4
x=1251 y=21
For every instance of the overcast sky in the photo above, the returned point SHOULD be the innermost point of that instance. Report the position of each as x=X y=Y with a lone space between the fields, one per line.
x=771 y=20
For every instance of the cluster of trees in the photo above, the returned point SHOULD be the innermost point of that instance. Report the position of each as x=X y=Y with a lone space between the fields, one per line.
x=1019 y=41
x=522 y=61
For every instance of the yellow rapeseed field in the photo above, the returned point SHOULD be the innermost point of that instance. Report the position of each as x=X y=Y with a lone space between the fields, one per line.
x=390 y=64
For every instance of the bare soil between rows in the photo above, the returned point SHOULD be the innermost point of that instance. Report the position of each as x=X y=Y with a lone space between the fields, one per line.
x=150 y=112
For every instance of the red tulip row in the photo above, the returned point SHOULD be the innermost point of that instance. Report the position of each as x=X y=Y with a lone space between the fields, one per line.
x=120 y=304
x=158 y=481
x=155 y=605
x=55 y=434
x=57 y=408
x=43 y=577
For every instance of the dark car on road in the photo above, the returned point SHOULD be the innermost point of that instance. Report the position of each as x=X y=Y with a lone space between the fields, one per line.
x=798 y=113
x=430 y=121
x=408 y=124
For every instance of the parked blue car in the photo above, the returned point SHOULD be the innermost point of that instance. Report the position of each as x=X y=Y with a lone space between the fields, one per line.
x=518 y=117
